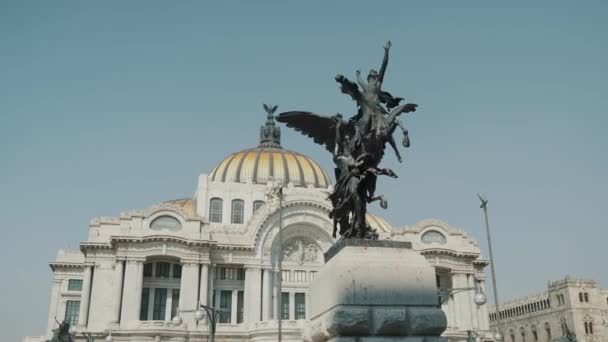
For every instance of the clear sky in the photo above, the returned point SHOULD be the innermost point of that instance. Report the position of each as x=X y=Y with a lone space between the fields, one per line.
x=110 y=106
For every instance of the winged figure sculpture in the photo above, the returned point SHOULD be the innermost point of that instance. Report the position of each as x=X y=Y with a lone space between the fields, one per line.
x=357 y=146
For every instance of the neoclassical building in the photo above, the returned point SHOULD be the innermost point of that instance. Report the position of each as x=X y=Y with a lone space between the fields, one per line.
x=220 y=248
x=580 y=303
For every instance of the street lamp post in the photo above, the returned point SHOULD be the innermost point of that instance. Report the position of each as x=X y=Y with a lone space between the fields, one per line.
x=484 y=206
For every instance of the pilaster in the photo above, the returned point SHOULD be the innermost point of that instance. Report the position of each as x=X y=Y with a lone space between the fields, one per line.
x=188 y=291
x=267 y=295
x=54 y=303
x=253 y=299
x=85 y=296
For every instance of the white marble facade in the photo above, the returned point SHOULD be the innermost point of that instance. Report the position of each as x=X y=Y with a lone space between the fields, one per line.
x=135 y=271
x=580 y=303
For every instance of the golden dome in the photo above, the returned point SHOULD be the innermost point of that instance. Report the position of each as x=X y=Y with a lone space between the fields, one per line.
x=261 y=164
x=378 y=223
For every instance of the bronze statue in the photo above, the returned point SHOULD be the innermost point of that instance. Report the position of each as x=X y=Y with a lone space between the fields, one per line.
x=62 y=333
x=357 y=146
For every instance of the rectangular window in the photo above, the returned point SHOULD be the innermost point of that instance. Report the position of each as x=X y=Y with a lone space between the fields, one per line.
x=162 y=269
x=285 y=275
x=174 y=302
x=160 y=304
x=284 y=305
x=230 y=273
x=299 y=276
x=143 y=309
x=225 y=306
x=300 y=299
x=313 y=274
x=75 y=285
x=72 y=308
x=239 y=306
x=148 y=270
x=177 y=271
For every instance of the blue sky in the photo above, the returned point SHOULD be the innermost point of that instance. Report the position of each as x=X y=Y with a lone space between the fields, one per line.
x=111 y=106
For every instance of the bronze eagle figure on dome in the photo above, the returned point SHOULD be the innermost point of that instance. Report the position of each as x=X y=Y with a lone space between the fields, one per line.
x=357 y=146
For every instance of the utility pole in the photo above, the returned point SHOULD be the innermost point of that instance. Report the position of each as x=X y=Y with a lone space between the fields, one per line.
x=484 y=206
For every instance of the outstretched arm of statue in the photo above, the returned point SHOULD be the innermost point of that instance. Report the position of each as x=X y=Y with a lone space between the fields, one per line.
x=360 y=80
x=387 y=47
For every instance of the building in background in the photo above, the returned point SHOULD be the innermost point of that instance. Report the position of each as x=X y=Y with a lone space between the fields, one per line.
x=580 y=303
x=137 y=271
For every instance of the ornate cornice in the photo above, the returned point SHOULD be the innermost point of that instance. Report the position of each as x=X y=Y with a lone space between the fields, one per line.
x=160 y=238
x=56 y=265
x=450 y=252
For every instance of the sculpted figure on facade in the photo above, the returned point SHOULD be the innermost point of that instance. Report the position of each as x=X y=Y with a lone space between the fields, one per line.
x=357 y=146
x=62 y=333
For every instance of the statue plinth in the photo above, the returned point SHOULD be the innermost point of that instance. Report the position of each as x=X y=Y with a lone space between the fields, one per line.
x=372 y=290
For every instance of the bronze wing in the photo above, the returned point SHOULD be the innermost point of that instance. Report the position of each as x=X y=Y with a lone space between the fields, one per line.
x=322 y=129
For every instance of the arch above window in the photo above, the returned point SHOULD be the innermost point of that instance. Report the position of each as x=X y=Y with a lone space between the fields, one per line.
x=215 y=210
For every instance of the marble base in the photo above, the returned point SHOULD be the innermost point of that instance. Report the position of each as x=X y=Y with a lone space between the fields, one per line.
x=374 y=291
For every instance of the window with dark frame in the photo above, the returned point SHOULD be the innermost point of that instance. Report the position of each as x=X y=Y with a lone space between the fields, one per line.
x=72 y=310
x=215 y=210
x=238 y=212
x=177 y=271
x=75 y=285
x=160 y=304
x=162 y=269
x=300 y=308
x=143 y=309
x=284 y=305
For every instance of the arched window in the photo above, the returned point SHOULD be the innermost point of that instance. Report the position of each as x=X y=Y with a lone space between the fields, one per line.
x=215 y=210
x=237 y=211
x=580 y=297
x=522 y=331
x=257 y=205
x=548 y=331
x=534 y=333
x=586 y=297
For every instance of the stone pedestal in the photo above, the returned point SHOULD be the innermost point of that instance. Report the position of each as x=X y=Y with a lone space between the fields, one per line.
x=374 y=291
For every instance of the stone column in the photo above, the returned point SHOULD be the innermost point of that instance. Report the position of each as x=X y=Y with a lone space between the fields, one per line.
x=118 y=269
x=253 y=300
x=188 y=291
x=85 y=296
x=204 y=285
x=292 y=306
x=234 y=308
x=212 y=286
x=266 y=295
x=55 y=293
x=451 y=312
x=461 y=298
x=131 y=299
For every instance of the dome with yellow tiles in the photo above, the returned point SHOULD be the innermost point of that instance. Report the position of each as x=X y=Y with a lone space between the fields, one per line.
x=259 y=165
x=378 y=223
x=269 y=161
